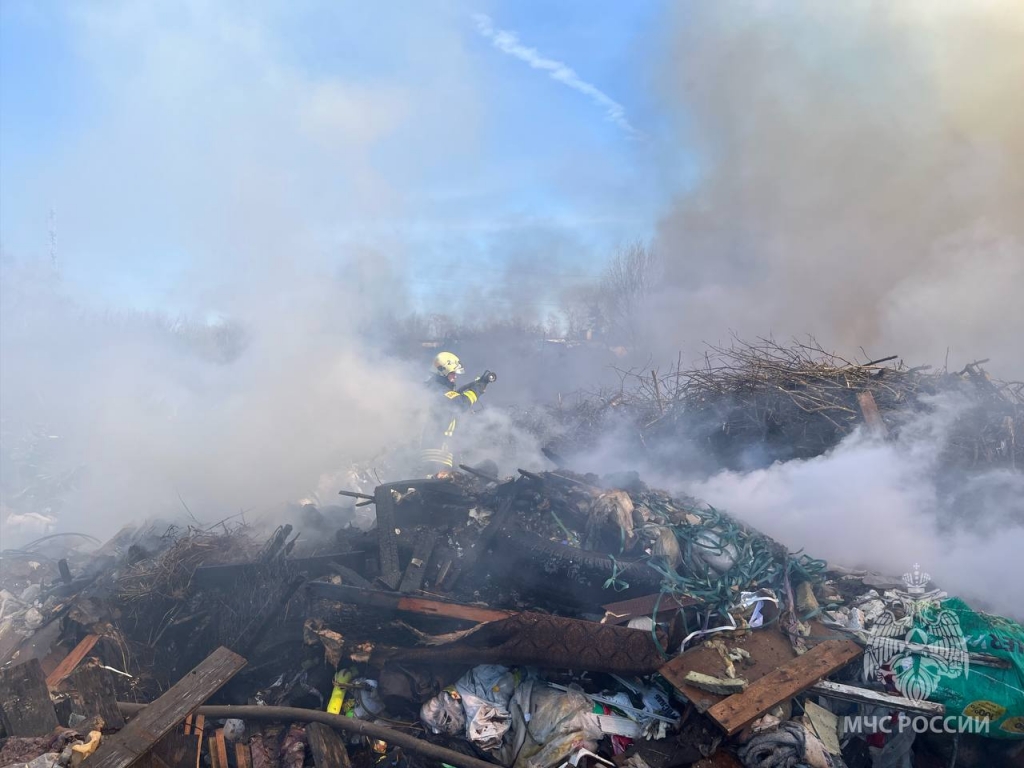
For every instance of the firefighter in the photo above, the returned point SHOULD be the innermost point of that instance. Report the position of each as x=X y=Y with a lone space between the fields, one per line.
x=450 y=403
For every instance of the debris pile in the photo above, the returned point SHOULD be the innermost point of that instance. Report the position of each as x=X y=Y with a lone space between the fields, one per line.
x=555 y=619
x=782 y=402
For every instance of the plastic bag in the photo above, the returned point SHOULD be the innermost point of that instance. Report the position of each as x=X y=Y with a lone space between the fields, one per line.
x=560 y=723
x=486 y=691
x=486 y=723
x=926 y=655
x=444 y=714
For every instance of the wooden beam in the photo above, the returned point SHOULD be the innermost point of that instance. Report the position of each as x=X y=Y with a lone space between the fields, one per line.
x=390 y=573
x=96 y=687
x=25 y=706
x=422 y=606
x=72 y=660
x=194 y=726
x=853 y=693
x=159 y=718
x=257 y=627
x=243 y=755
x=872 y=416
x=227 y=576
x=739 y=710
x=412 y=580
x=327 y=746
x=218 y=750
x=483 y=543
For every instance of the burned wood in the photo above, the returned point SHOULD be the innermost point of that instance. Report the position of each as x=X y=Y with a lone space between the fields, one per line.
x=624 y=610
x=254 y=631
x=741 y=709
x=160 y=717
x=65 y=571
x=483 y=543
x=390 y=573
x=412 y=579
x=228 y=576
x=339 y=722
x=356 y=495
x=275 y=544
x=554 y=457
x=478 y=473
x=67 y=704
x=72 y=660
x=547 y=642
x=96 y=687
x=881 y=360
x=396 y=602
x=25 y=706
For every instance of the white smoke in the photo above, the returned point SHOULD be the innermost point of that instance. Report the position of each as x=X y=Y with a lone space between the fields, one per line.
x=886 y=505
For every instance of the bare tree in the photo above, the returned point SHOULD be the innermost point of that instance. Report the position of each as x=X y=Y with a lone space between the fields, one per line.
x=625 y=287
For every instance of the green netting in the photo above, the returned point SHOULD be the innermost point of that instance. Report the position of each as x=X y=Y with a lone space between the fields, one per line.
x=934 y=664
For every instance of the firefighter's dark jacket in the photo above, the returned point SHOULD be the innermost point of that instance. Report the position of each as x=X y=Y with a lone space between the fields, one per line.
x=452 y=401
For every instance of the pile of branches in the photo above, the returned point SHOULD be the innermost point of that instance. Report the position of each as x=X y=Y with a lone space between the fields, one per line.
x=753 y=403
x=168 y=575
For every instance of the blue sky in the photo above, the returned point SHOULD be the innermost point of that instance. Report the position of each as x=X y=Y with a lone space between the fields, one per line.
x=183 y=143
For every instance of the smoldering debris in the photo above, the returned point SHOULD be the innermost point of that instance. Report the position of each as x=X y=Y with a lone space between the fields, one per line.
x=756 y=402
x=551 y=619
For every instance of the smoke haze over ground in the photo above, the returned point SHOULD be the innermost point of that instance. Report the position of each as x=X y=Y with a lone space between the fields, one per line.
x=862 y=177
x=886 y=506
x=253 y=197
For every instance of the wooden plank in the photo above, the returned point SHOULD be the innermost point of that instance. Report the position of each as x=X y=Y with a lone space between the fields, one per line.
x=327 y=746
x=387 y=539
x=621 y=612
x=393 y=601
x=872 y=416
x=25 y=706
x=741 y=709
x=768 y=649
x=157 y=719
x=469 y=559
x=96 y=687
x=243 y=756
x=194 y=725
x=177 y=749
x=412 y=580
x=72 y=660
x=831 y=690
x=218 y=750
x=67 y=704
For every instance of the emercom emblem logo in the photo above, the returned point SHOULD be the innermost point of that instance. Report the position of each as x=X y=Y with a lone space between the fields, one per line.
x=916 y=643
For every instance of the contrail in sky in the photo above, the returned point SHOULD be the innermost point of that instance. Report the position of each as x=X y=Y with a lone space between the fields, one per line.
x=508 y=42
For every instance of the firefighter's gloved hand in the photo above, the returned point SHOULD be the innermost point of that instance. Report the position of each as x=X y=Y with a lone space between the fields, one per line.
x=488 y=377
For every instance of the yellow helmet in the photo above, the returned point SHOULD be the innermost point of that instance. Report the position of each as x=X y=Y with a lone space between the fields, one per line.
x=446 y=363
